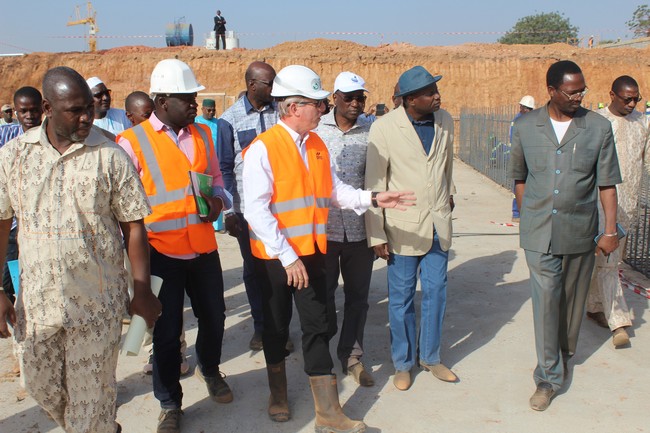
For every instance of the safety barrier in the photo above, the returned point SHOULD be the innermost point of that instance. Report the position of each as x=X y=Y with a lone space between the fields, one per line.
x=485 y=145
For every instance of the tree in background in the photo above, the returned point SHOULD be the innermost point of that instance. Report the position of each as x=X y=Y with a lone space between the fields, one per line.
x=543 y=28
x=640 y=22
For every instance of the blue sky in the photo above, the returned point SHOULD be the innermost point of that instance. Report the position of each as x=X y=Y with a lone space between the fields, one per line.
x=40 y=25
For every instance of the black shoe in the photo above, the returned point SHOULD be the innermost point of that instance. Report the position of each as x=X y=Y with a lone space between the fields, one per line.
x=169 y=421
x=256 y=342
x=217 y=387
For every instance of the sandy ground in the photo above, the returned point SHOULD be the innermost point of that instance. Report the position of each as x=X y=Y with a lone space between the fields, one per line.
x=488 y=341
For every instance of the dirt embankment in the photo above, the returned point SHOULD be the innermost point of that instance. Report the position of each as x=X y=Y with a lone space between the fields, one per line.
x=475 y=75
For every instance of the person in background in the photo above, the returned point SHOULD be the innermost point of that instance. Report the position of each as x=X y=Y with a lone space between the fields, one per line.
x=78 y=200
x=563 y=157
x=411 y=148
x=139 y=107
x=29 y=112
x=606 y=303
x=397 y=100
x=113 y=120
x=348 y=253
x=220 y=30
x=208 y=110
x=526 y=105
x=253 y=113
x=183 y=248
x=7 y=115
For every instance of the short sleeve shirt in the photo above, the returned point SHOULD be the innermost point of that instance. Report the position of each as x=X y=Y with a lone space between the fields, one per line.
x=68 y=208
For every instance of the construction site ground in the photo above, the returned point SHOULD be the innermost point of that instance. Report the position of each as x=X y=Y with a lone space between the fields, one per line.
x=487 y=340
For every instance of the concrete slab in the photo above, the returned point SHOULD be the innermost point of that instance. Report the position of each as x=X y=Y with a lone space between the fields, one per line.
x=488 y=341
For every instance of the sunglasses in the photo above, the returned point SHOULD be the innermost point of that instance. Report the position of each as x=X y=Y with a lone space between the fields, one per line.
x=627 y=101
x=361 y=99
x=100 y=95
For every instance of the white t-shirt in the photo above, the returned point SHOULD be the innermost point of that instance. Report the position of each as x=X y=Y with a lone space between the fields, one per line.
x=560 y=128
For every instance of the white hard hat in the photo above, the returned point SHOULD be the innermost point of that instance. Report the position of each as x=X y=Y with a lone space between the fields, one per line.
x=297 y=80
x=528 y=101
x=349 y=82
x=173 y=76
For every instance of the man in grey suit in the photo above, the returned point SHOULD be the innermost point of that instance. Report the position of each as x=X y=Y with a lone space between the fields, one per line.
x=563 y=157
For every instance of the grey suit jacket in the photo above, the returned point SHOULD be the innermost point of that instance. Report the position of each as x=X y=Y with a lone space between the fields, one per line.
x=559 y=208
x=396 y=161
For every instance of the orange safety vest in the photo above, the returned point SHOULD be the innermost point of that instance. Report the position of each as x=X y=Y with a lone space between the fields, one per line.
x=174 y=227
x=301 y=197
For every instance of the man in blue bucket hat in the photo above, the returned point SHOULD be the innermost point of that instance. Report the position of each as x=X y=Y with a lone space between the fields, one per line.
x=411 y=148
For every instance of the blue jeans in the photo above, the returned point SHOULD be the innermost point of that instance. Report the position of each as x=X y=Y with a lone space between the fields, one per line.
x=402 y=278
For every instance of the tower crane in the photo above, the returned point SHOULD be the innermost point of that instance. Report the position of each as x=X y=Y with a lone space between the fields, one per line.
x=90 y=19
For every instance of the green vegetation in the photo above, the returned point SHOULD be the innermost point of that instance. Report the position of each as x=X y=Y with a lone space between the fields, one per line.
x=543 y=28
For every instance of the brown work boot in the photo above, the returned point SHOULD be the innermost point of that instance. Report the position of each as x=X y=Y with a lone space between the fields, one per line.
x=217 y=387
x=541 y=399
x=169 y=421
x=360 y=374
x=329 y=415
x=278 y=401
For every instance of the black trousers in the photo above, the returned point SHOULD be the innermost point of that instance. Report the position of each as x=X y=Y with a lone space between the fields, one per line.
x=202 y=279
x=221 y=36
x=311 y=303
x=354 y=261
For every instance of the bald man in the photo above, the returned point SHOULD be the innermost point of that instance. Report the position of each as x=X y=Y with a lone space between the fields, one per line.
x=139 y=107
x=72 y=193
x=250 y=115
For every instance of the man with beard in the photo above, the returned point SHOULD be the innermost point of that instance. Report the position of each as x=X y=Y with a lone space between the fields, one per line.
x=78 y=201
x=250 y=115
x=183 y=249
x=411 y=148
x=113 y=120
x=605 y=303
x=563 y=157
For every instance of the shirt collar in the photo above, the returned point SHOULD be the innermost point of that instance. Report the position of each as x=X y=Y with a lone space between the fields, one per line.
x=429 y=120
x=158 y=125
x=249 y=107
x=330 y=120
x=294 y=135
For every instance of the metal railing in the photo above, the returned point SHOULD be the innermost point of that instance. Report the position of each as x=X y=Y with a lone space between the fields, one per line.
x=485 y=145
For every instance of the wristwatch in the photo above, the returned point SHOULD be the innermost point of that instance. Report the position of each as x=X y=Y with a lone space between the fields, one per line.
x=373 y=199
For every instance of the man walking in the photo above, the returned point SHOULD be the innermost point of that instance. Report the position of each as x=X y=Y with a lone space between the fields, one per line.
x=348 y=253
x=562 y=158
x=164 y=148
x=78 y=200
x=411 y=148
x=606 y=303
x=249 y=116
x=288 y=185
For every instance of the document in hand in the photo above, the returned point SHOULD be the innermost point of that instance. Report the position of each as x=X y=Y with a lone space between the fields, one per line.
x=201 y=182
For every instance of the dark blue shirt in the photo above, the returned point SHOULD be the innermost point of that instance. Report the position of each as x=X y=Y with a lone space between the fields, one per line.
x=426 y=131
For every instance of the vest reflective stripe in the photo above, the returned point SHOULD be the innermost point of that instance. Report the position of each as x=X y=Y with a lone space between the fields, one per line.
x=298 y=203
x=174 y=224
x=206 y=142
x=295 y=231
x=161 y=196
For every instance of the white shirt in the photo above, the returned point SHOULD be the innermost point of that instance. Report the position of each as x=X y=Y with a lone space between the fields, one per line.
x=560 y=128
x=258 y=188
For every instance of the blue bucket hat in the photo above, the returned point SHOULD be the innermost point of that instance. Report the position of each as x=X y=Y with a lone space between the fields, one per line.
x=415 y=79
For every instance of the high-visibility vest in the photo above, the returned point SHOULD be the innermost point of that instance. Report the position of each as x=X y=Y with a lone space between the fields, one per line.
x=301 y=197
x=174 y=227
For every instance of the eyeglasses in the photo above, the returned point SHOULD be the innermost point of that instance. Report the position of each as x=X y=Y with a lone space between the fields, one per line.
x=320 y=104
x=267 y=83
x=100 y=95
x=361 y=99
x=626 y=101
x=575 y=96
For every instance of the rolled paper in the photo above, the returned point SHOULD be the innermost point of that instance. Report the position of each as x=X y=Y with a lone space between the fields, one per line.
x=137 y=328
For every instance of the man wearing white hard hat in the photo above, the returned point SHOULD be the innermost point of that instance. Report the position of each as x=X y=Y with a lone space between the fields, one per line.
x=526 y=105
x=113 y=120
x=289 y=184
x=164 y=148
x=348 y=254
